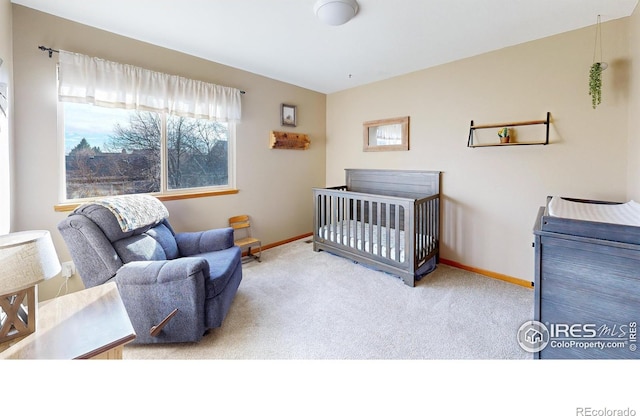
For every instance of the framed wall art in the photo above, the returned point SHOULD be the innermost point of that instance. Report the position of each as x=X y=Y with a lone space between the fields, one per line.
x=288 y=115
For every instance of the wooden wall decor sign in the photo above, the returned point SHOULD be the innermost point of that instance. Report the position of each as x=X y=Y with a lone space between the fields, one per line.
x=285 y=140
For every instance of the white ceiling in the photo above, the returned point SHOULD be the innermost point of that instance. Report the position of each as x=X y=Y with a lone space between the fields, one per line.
x=283 y=40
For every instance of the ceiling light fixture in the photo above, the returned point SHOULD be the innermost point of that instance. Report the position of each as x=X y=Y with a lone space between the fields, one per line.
x=335 y=12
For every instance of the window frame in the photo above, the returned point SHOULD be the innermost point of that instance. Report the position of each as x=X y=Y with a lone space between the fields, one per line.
x=165 y=194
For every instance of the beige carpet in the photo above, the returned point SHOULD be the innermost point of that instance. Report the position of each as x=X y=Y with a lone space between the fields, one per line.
x=299 y=304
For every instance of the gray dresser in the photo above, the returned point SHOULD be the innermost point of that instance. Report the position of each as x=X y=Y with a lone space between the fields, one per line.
x=587 y=287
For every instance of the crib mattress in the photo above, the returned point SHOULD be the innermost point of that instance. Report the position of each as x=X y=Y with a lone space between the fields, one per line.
x=370 y=243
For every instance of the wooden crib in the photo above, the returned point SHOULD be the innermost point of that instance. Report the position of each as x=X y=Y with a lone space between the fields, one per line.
x=386 y=219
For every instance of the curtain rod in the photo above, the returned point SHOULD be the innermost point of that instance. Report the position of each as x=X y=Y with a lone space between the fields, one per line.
x=51 y=51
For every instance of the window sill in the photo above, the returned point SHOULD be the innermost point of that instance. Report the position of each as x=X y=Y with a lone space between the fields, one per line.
x=70 y=206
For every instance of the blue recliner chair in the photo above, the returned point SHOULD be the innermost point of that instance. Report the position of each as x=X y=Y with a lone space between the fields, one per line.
x=174 y=286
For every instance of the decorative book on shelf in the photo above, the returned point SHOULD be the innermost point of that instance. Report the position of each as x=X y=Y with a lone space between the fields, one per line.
x=473 y=142
x=285 y=140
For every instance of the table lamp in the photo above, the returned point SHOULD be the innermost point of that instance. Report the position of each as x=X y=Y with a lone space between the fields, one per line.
x=26 y=259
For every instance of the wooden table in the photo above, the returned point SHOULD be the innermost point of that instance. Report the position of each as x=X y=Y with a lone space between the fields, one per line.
x=91 y=323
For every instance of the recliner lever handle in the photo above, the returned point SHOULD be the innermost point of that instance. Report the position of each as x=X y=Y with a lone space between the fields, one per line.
x=156 y=329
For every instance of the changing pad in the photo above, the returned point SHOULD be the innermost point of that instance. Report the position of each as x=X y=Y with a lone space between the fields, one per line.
x=627 y=213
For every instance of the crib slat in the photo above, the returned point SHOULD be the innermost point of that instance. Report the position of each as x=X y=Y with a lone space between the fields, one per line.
x=362 y=226
x=397 y=233
x=424 y=228
x=376 y=242
x=428 y=229
x=420 y=230
x=327 y=215
x=345 y=225
x=434 y=223
x=348 y=219
x=387 y=229
x=370 y=223
x=433 y=218
x=436 y=216
x=357 y=225
x=352 y=232
x=330 y=217
x=334 y=218
x=416 y=235
x=337 y=221
x=341 y=220
x=430 y=238
x=318 y=217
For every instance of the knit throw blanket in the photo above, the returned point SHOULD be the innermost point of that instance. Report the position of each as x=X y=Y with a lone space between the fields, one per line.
x=135 y=211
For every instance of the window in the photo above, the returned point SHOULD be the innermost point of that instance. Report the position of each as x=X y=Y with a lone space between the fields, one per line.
x=131 y=130
x=112 y=151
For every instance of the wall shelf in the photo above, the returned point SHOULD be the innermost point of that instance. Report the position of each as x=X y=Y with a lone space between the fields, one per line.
x=284 y=140
x=473 y=127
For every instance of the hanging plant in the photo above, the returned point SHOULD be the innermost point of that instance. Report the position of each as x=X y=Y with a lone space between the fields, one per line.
x=595 y=84
x=595 y=73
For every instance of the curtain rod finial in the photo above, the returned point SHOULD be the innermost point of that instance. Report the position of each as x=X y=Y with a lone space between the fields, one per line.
x=51 y=51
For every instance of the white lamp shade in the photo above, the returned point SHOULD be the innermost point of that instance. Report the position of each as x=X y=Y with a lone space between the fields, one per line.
x=26 y=258
x=335 y=12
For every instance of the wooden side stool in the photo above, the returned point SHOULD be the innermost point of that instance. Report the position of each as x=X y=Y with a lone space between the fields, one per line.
x=242 y=236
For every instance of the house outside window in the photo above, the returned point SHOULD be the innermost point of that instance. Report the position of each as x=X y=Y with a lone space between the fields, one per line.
x=112 y=151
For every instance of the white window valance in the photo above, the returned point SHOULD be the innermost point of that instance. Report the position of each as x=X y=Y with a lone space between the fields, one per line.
x=85 y=79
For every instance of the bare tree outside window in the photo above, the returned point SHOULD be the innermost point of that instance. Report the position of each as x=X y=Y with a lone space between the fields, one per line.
x=197 y=153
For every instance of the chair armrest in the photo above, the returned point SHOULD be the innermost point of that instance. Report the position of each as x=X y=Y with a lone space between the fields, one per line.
x=162 y=271
x=193 y=243
x=152 y=292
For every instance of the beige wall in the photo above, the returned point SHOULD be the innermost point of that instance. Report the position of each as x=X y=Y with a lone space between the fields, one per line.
x=634 y=106
x=275 y=185
x=491 y=195
x=6 y=123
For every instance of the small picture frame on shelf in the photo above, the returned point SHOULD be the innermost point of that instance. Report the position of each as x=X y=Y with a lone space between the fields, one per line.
x=288 y=115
